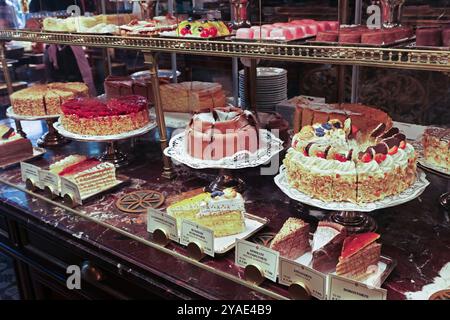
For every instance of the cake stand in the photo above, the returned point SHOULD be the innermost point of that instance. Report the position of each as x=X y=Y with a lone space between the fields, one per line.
x=352 y=215
x=270 y=146
x=51 y=138
x=112 y=153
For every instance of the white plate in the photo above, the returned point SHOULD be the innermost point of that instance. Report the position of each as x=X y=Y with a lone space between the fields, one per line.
x=10 y=114
x=410 y=194
x=80 y=137
x=424 y=163
x=243 y=159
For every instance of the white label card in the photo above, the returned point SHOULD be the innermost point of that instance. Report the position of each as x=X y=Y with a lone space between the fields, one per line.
x=251 y=253
x=159 y=220
x=49 y=179
x=193 y=232
x=341 y=288
x=292 y=272
x=70 y=188
x=30 y=172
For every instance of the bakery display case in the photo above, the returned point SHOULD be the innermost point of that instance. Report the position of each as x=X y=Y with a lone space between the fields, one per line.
x=312 y=188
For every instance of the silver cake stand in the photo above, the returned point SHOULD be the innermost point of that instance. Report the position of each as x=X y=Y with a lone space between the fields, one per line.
x=351 y=215
x=270 y=147
x=112 y=153
x=51 y=138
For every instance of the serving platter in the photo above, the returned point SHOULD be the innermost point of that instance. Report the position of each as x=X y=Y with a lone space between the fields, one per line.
x=408 y=195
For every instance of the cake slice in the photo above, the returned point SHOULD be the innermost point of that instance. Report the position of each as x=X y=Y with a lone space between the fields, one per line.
x=223 y=212
x=359 y=253
x=13 y=146
x=292 y=241
x=60 y=165
x=327 y=245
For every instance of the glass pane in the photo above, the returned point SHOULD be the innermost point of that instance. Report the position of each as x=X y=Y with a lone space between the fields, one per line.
x=8 y=284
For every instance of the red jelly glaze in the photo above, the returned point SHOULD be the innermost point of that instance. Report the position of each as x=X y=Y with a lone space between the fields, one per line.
x=80 y=167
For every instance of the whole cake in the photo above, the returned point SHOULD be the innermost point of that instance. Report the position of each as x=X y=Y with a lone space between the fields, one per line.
x=192 y=96
x=436 y=144
x=46 y=99
x=223 y=212
x=221 y=132
x=90 y=175
x=202 y=29
x=13 y=146
x=360 y=255
x=292 y=241
x=339 y=162
x=93 y=117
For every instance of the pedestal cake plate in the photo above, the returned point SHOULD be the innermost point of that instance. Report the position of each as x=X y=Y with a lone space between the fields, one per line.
x=271 y=146
x=51 y=138
x=352 y=215
x=112 y=153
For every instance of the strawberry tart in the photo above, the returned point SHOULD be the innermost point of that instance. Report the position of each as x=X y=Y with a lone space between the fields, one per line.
x=336 y=161
x=93 y=117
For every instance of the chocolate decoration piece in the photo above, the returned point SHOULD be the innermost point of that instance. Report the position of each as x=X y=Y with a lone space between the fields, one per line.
x=8 y=134
x=308 y=146
x=327 y=150
x=350 y=155
x=392 y=142
x=400 y=136
x=390 y=133
x=378 y=131
x=348 y=127
x=381 y=148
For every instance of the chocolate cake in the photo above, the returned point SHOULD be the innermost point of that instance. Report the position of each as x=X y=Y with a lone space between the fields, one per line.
x=292 y=241
x=13 y=146
x=327 y=245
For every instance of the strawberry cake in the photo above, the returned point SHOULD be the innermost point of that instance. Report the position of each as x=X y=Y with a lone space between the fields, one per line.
x=336 y=161
x=221 y=132
x=93 y=117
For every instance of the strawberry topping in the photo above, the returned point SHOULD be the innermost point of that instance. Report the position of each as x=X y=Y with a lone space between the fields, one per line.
x=393 y=150
x=79 y=167
x=340 y=157
x=366 y=158
x=379 y=158
x=402 y=145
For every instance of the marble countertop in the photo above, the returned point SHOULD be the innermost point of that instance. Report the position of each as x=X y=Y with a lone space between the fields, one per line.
x=416 y=234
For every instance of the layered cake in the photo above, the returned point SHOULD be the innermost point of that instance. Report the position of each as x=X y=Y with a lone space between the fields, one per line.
x=13 y=146
x=192 y=96
x=119 y=86
x=62 y=164
x=327 y=246
x=90 y=175
x=93 y=117
x=360 y=256
x=436 y=144
x=149 y=27
x=339 y=162
x=221 y=132
x=46 y=99
x=365 y=117
x=104 y=23
x=222 y=212
x=202 y=29
x=292 y=241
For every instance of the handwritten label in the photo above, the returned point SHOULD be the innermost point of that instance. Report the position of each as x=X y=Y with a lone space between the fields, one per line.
x=192 y=232
x=159 y=220
x=70 y=188
x=251 y=253
x=30 y=172
x=49 y=179
x=341 y=288
x=292 y=272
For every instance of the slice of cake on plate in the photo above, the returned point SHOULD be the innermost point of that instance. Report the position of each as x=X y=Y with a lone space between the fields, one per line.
x=327 y=245
x=360 y=255
x=13 y=146
x=292 y=241
x=436 y=144
x=223 y=212
x=60 y=165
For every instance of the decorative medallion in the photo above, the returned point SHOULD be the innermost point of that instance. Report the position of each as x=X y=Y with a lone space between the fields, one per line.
x=441 y=295
x=139 y=201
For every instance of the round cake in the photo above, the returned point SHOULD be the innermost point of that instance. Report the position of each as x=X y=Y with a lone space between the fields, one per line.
x=339 y=162
x=93 y=117
x=221 y=132
x=46 y=99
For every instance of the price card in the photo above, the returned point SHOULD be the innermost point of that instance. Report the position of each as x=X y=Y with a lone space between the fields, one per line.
x=292 y=272
x=159 y=220
x=70 y=188
x=340 y=288
x=30 y=172
x=251 y=253
x=49 y=179
x=192 y=232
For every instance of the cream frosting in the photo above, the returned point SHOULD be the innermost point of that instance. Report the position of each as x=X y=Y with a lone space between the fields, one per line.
x=227 y=202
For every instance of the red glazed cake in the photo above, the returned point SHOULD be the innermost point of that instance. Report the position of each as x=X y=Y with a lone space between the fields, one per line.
x=221 y=132
x=93 y=117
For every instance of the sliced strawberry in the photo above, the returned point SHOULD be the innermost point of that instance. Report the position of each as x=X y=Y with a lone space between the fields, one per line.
x=402 y=145
x=393 y=150
x=305 y=153
x=213 y=31
x=366 y=158
x=184 y=31
x=204 y=33
x=340 y=157
x=320 y=154
x=355 y=129
x=379 y=158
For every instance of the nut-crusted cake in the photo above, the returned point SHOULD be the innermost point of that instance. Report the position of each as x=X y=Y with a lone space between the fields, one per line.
x=292 y=241
x=223 y=212
x=46 y=99
x=93 y=117
x=338 y=162
x=436 y=144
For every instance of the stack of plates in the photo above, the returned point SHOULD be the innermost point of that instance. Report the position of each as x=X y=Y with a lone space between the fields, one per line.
x=271 y=88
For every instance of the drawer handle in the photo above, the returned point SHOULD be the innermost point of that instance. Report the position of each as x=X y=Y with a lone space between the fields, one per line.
x=88 y=271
